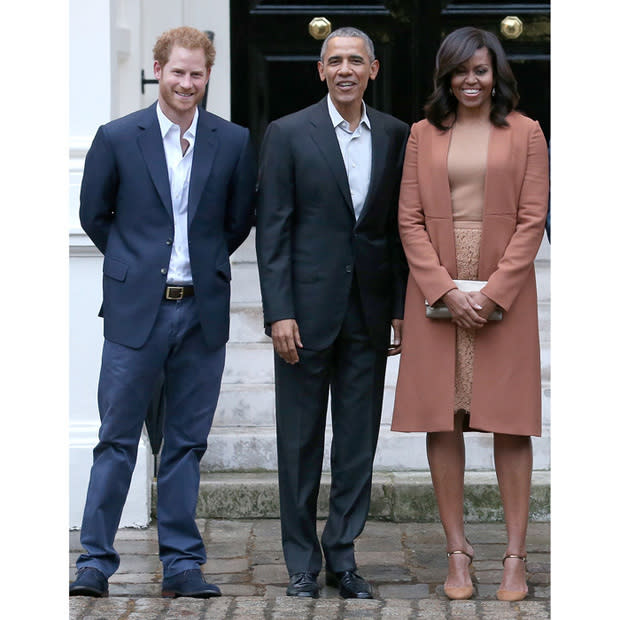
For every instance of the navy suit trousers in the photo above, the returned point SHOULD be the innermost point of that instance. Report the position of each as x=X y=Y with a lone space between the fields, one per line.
x=127 y=381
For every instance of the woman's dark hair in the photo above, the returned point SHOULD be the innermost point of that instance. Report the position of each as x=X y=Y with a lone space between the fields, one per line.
x=458 y=47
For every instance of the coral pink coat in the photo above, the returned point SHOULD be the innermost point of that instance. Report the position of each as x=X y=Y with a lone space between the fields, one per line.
x=506 y=376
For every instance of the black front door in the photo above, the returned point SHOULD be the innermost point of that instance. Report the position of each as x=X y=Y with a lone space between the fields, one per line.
x=274 y=56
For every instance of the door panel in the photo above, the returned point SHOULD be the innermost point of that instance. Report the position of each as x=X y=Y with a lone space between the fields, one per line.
x=205 y=15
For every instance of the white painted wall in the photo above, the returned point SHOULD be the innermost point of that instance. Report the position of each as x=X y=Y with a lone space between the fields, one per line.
x=94 y=99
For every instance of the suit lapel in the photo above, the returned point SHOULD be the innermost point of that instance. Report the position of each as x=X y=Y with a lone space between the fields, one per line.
x=205 y=149
x=323 y=134
x=152 y=148
x=379 y=158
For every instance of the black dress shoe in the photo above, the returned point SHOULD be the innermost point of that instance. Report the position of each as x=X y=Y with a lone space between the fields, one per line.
x=188 y=583
x=89 y=582
x=303 y=584
x=350 y=583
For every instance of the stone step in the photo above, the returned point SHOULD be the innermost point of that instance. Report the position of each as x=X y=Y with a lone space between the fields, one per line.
x=396 y=496
x=254 y=449
x=253 y=405
x=244 y=285
x=246 y=323
x=252 y=363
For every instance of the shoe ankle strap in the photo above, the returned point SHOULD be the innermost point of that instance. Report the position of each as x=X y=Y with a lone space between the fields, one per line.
x=459 y=552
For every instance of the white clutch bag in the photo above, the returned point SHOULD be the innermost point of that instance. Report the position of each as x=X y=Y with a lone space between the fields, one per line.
x=441 y=311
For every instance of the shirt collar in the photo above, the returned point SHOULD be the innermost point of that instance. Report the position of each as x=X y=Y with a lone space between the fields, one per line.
x=165 y=124
x=337 y=119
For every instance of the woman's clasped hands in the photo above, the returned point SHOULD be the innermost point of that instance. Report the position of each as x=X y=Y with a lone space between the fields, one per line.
x=469 y=309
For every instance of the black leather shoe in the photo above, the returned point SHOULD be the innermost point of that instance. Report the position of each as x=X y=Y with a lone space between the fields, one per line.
x=303 y=584
x=350 y=583
x=188 y=583
x=89 y=582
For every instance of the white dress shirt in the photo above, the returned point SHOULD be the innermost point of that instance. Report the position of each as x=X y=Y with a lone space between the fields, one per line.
x=356 y=149
x=179 y=174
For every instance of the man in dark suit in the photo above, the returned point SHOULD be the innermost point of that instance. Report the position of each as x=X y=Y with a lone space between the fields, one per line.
x=332 y=280
x=167 y=196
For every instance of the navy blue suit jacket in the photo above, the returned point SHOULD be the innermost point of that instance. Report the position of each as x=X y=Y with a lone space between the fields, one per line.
x=126 y=210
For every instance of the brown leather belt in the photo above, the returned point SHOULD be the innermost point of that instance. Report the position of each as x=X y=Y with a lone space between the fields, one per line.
x=178 y=292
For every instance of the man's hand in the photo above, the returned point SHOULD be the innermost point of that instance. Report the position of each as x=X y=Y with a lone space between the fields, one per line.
x=396 y=346
x=286 y=339
x=464 y=309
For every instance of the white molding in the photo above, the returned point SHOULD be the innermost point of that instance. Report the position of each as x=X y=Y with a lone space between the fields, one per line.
x=79 y=145
x=81 y=245
x=137 y=511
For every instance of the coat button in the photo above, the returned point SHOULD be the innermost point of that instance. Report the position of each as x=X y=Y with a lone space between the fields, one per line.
x=349 y=268
x=169 y=242
x=164 y=271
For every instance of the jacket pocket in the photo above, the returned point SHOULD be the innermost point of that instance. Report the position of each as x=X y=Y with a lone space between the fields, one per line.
x=114 y=268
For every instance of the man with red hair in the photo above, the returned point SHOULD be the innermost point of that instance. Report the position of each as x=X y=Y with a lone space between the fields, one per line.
x=167 y=196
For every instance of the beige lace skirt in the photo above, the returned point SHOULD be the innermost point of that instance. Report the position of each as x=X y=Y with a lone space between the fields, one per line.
x=467 y=239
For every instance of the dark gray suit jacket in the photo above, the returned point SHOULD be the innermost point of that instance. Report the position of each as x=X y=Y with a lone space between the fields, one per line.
x=310 y=246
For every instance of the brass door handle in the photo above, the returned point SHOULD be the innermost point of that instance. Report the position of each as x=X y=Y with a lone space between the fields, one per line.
x=319 y=28
x=511 y=27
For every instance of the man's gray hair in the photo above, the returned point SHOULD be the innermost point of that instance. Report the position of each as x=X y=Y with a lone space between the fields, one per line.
x=348 y=31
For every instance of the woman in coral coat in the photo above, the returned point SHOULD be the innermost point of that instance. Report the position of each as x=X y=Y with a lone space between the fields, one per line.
x=472 y=207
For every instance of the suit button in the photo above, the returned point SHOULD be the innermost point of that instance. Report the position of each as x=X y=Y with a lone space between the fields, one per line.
x=349 y=268
x=164 y=271
x=169 y=242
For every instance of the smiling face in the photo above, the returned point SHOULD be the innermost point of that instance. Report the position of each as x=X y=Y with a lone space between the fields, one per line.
x=346 y=67
x=182 y=83
x=472 y=83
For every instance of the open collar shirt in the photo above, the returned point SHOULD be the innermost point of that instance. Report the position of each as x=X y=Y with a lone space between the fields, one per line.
x=179 y=175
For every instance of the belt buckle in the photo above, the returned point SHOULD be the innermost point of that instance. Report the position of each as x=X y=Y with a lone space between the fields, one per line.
x=174 y=292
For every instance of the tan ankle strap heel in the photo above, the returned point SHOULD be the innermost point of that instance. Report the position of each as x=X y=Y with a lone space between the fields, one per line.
x=512 y=595
x=460 y=592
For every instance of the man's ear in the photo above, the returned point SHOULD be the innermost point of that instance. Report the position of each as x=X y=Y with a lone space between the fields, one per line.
x=157 y=69
x=374 y=69
x=319 y=66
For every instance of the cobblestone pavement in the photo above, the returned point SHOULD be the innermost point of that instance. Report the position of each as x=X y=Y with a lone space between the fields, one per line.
x=405 y=562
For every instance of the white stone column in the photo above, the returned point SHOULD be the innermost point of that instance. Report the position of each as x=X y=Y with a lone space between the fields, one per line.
x=97 y=46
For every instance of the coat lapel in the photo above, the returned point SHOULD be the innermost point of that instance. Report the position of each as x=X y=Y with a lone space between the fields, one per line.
x=499 y=150
x=323 y=134
x=441 y=192
x=205 y=149
x=441 y=182
x=152 y=148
